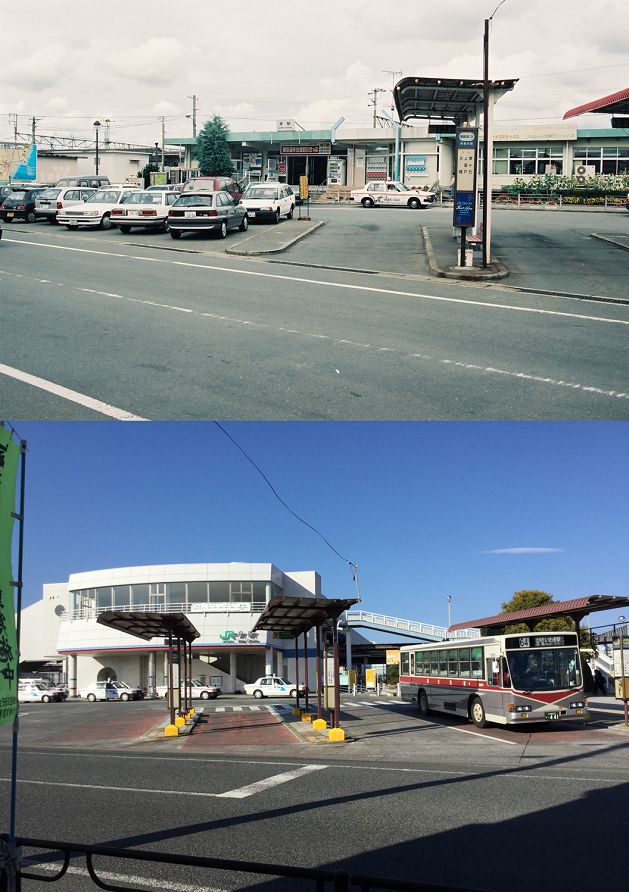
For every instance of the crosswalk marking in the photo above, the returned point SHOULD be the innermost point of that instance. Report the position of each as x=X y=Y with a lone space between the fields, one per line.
x=250 y=789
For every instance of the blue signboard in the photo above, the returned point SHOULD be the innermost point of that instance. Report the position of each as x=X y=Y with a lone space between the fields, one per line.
x=464 y=209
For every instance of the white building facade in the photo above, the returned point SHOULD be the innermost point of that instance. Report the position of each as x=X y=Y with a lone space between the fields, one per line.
x=223 y=602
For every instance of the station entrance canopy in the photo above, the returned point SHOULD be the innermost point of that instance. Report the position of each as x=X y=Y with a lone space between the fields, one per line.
x=576 y=609
x=451 y=99
x=614 y=104
x=146 y=625
x=299 y=615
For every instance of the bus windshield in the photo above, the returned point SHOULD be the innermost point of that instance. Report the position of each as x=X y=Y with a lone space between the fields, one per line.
x=545 y=670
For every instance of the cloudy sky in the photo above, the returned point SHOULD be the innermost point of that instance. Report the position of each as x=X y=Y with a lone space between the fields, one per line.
x=255 y=63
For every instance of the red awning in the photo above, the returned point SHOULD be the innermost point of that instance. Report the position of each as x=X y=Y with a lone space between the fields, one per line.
x=614 y=103
x=576 y=608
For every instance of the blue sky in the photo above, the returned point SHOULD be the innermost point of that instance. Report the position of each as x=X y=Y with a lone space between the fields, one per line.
x=426 y=509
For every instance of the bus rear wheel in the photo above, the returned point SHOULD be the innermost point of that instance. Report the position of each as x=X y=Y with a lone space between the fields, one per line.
x=422 y=704
x=477 y=713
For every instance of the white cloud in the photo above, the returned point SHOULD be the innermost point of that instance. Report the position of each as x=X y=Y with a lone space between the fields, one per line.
x=150 y=61
x=523 y=550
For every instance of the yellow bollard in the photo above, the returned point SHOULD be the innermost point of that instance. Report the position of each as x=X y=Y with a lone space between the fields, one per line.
x=305 y=717
x=319 y=724
x=336 y=734
x=191 y=711
x=171 y=731
x=297 y=710
x=180 y=721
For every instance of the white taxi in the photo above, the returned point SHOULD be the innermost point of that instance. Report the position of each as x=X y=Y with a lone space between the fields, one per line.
x=273 y=686
x=393 y=193
x=96 y=211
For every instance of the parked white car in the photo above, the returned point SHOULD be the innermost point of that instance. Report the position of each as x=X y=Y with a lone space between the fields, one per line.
x=392 y=193
x=273 y=686
x=96 y=211
x=199 y=690
x=268 y=201
x=49 y=202
x=100 y=690
x=33 y=692
x=147 y=209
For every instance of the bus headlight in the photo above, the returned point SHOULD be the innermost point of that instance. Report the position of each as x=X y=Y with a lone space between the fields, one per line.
x=513 y=708
x=578 y=704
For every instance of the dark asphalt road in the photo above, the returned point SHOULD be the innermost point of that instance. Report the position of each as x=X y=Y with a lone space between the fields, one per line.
x=168 y=335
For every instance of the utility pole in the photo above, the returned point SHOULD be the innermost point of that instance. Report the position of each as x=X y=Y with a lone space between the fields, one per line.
x=33 y=126
x=194 y=115
x=393 y=74
x=374 y=102
x=14 y=117
x=163 y=120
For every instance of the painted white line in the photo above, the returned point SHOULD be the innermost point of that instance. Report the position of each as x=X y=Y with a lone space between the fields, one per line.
x=30 y=863
x=219 y=709
x=269 y=782
x=72 y=396
x=342 y=285
x=482 y=736
x=237 y=709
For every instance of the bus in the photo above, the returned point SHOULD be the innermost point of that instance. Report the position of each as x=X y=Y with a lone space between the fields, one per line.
x=511 y=679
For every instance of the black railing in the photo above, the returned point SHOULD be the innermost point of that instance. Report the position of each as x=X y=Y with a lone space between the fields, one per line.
x=320 y=880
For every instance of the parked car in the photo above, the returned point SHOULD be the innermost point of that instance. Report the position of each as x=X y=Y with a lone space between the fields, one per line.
x=206 y=212
x=96 y=211
x=165 y=187
x=87 y=180
x=198 y=689
x=20 y=203
x=213 y=184
x=51 y=201
x=100 y=690
x=35 y=692
x=148 y=209
x=393 y=193
x=268 y=201
x=273 y=686
x=127 y=692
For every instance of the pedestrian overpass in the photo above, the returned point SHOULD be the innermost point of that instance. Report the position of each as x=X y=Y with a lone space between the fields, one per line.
x=378 y=622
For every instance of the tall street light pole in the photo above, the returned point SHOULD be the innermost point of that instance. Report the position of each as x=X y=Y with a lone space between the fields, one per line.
x=96 y=127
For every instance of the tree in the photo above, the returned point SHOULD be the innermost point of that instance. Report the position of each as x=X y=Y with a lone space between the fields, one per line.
x=528 y=598
x=212 y=149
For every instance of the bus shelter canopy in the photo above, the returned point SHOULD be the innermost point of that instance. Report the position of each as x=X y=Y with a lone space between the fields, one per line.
x=146 y=625
x=453 y=99
x=576 y=609
x=297 y=615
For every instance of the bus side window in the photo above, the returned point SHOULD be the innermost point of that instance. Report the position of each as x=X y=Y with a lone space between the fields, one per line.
x=506 y=678
x=476 y=657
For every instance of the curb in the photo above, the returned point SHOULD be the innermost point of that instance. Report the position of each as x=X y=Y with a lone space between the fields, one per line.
x=610 y=241
x=312 y=227
x=497 y=271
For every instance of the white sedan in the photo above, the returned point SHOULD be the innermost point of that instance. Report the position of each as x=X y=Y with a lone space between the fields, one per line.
x=96 y=211
x=393 y=193
x=268 y=201
x=198 y=689
x=148 y=209
x=273 y=686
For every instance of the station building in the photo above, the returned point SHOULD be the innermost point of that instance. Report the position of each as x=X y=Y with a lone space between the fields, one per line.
x=351 y=157
x=223 y=601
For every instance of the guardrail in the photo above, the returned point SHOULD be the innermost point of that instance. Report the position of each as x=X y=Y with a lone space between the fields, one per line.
x=356 y=617
x=321 y=880
x=556 y=199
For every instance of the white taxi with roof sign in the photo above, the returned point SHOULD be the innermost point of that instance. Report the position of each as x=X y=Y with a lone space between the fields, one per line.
x=393 y=193
x=273 y=686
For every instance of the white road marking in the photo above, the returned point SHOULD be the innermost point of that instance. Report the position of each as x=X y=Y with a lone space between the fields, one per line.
x=245 y=272
x=269 y=782
x=240 y=793
x=31 y=862
x=482 y=736
x=72 y=396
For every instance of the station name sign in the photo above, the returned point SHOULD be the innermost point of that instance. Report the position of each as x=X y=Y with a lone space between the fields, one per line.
x=321 y=148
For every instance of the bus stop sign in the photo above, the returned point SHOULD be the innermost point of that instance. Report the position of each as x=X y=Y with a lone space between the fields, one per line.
x=466 y=166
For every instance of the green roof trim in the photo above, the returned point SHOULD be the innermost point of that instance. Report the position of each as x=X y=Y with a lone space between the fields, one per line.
x=282 y=136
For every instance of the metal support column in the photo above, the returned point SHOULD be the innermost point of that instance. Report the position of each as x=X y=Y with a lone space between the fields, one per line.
x=171 y=699
x=297 y=667
x=337 y=689
x=318 y=669
x=306 y=667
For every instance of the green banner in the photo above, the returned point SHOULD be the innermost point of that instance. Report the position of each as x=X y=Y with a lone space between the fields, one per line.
x=9 y=455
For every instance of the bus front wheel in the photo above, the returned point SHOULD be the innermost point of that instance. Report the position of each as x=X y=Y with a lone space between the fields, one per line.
x=422 y=704
x=477 y=713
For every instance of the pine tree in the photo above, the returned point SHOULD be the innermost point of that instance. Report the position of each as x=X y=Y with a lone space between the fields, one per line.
x=212 y=149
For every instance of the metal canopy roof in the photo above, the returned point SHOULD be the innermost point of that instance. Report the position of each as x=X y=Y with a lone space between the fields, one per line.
x=612 y=104
x=576 y=609
x=443 y=97
x=297 y=615
x=149 y=625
